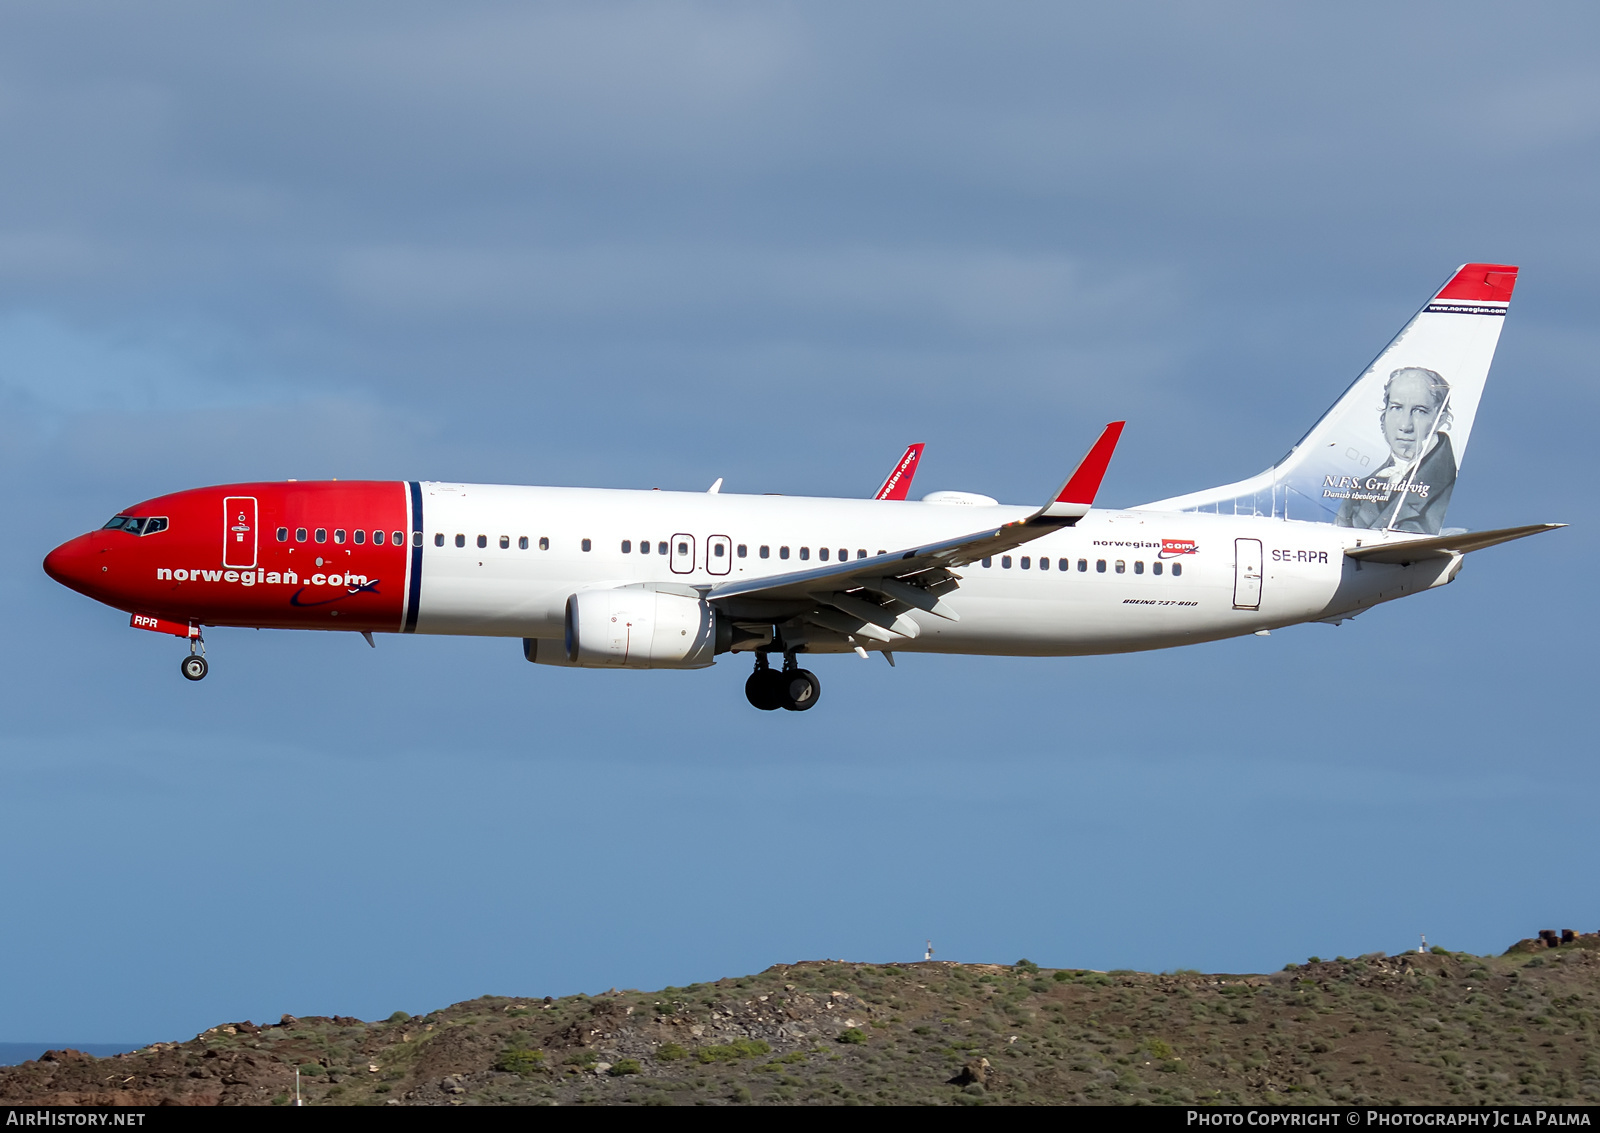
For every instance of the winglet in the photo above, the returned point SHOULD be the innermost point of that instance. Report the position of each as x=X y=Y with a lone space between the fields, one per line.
x=899 y=481
x=1077 y=494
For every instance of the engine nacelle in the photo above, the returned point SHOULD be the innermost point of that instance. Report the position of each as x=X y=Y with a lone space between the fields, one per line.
x=635 y=628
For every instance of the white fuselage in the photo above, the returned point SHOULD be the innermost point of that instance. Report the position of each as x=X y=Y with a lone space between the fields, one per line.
x=1100 y=591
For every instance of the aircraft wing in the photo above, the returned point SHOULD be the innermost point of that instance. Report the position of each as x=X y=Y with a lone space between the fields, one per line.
x=1443 y=546
x=866 y=597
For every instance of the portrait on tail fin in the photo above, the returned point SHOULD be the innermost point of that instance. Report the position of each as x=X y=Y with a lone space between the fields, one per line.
x=1411 y=490
x=1421 y=392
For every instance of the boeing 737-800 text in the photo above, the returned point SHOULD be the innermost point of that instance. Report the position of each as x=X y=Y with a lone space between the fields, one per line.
x=1351 y=517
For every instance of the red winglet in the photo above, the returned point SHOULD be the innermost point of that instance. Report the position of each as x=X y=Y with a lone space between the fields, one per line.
x=1481 y=283
x=1085 y=480
x=899 y=481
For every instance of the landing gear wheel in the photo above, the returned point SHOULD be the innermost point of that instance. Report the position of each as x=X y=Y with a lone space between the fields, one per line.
x=763 y=690
x=194 y=667
x=800 y=689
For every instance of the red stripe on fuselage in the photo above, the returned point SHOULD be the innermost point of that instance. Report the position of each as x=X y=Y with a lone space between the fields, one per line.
x=179 y=573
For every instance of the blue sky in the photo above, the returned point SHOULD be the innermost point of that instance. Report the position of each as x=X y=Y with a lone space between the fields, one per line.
x=651 y=245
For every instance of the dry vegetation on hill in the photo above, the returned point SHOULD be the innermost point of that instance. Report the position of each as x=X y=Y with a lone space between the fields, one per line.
x=1442 y=1027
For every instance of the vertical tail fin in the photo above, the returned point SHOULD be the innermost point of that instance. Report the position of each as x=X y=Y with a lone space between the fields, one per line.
x=1386 y=455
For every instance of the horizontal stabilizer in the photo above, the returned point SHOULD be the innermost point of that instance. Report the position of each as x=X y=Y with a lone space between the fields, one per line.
x=1443 y=546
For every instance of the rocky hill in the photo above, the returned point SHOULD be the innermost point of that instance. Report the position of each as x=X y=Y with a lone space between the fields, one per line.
x=1418 y=1028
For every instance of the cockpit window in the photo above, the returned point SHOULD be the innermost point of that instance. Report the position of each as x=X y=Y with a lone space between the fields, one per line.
x=136 y=525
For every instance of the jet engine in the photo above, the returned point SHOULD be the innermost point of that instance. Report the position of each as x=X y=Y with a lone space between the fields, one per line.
x=634 y=628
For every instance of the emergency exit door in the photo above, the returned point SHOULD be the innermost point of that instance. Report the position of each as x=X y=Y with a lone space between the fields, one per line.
x=1247 y=574
x=719 y=554
x=239 y=532
x=682 y=553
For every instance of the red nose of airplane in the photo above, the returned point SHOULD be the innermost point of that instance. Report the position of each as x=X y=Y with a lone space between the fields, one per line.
x=73 y=564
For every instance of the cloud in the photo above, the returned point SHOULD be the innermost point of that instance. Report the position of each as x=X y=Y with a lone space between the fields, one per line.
x=618 y=288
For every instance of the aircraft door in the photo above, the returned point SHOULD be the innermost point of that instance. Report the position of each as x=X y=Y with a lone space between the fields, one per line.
x=719 y=554
x=1247 y=574
x=682 y=554
x=239 y=531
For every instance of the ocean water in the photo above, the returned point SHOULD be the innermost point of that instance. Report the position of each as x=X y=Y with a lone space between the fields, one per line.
x=13 y=1053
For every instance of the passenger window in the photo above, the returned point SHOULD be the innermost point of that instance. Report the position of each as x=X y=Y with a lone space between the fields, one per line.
x=377 y=538
x=683 y=548
x=805 y=553
x=587 y=544
x=299 y=534
x=1005 y=562
x=461 y=540
x=1100 y=566
x=627 y=546
x=1027 y=562
x=505 y=542
x=765 y=552
x=988 y=563
x=1155 y=568
x=1177 y=569
x=1083 y=565
x=1138 y=566
x=283 y=534
x=321 y=534
x=1122 y=567
x=522 y=543
x=822 y=553
x=359 y=536
x=483 y=541
x=338 y=535
x=644 y=546
x=881 y=551
x=544 y=543
x=438 y=539
x=843 y=554
x=783 y=552
x=1063 y=564
x=716 y=550
x=1044 y=563
x=861 y=552
x=743 y=551
x=661 y=547
x=416 y=539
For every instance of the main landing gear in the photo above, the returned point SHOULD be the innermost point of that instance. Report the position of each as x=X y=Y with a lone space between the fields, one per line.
x=793 y=688
x=194 y=666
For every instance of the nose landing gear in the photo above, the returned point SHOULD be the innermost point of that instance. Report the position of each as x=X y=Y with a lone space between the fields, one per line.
x=194 y=666
x=794 y=688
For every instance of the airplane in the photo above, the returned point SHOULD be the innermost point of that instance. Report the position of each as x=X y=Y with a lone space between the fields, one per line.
x=1352 y=517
